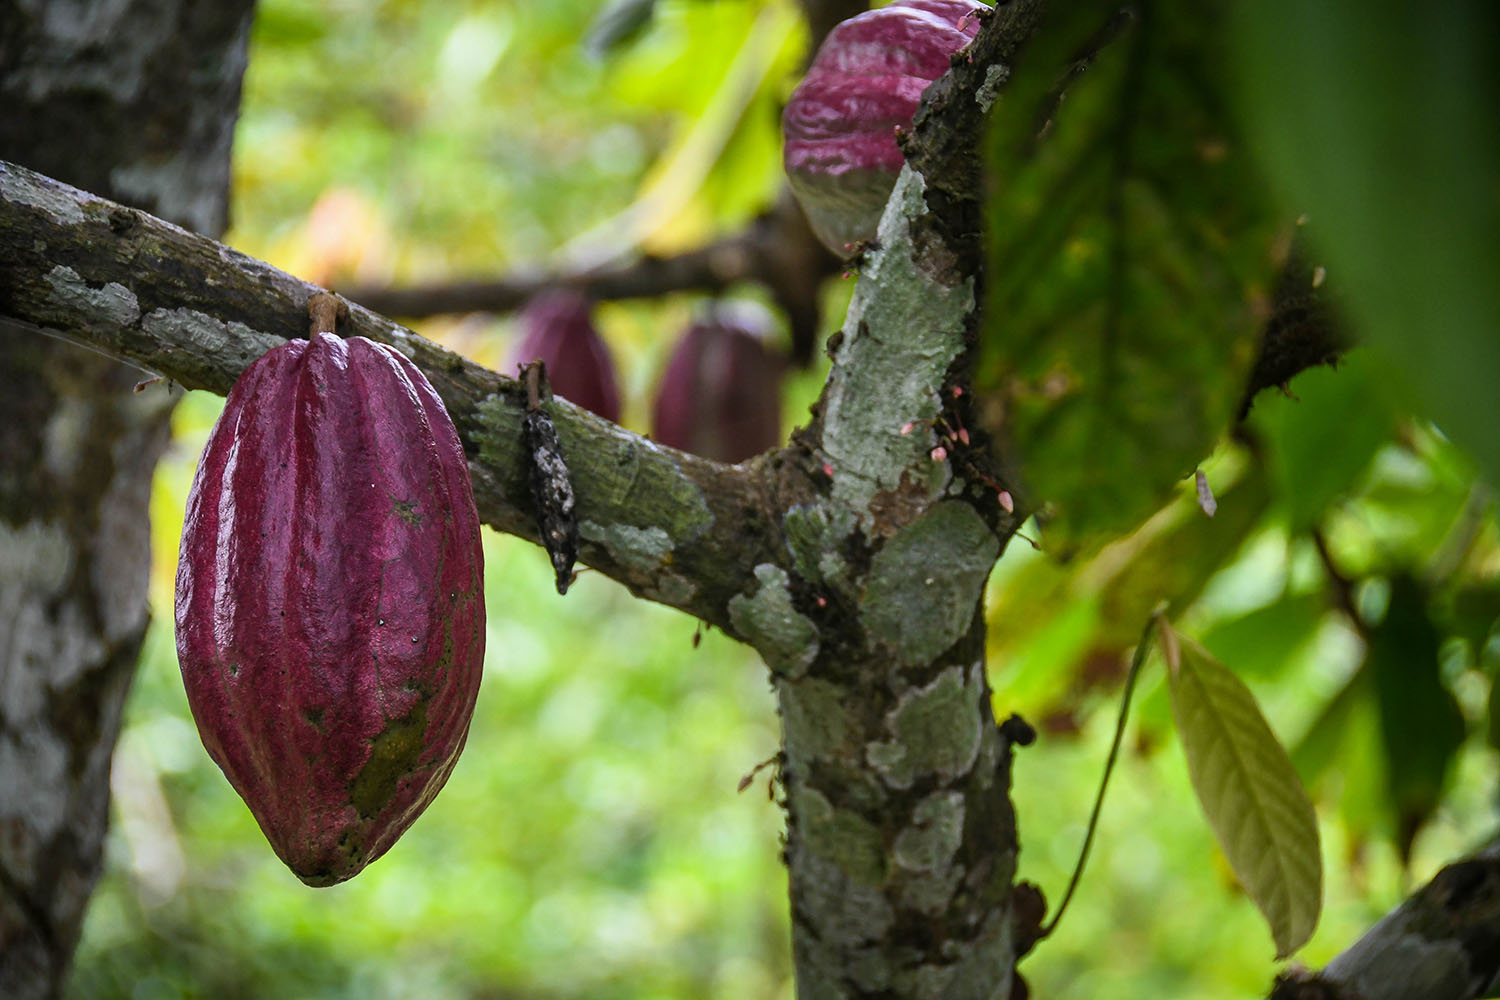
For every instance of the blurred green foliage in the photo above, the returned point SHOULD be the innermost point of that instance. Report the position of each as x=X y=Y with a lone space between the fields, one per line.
x=590 y=843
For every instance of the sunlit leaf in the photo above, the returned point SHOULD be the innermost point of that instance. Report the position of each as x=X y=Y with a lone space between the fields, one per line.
x=1421 y=726
x=1130 y=255
x=1249 y=791
x=1381 y=126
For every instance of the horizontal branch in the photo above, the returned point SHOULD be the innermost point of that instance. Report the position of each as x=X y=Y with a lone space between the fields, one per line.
x=180 y=305
x=777 y=250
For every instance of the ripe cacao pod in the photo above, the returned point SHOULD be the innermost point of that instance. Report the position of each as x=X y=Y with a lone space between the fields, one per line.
x=720 y=396
x=840 y=124
x=556 y=328
x=330 y=610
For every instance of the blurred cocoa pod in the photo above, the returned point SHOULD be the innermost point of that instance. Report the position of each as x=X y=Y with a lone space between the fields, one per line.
x=721 y=394
x=557 y=329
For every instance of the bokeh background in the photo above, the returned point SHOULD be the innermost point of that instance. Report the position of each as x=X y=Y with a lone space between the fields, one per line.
x=591 y=843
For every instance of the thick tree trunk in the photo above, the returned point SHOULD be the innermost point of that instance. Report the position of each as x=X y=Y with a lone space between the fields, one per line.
x=900 y=836
x=135 y=100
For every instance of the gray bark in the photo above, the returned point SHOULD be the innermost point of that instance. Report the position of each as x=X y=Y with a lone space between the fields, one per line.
x=136 y=100
x=1443 y=943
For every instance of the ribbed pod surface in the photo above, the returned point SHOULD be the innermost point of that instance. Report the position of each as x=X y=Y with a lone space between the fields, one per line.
x=330 y=608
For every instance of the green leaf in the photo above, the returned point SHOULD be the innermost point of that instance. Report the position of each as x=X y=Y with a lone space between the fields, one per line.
x=1130 y=257
x=1321 y=439
x=1249 y=791
x=1377 y=119
x=1421 y=726
x=1471 y=613
x=1261 y=643
x=1324 y=742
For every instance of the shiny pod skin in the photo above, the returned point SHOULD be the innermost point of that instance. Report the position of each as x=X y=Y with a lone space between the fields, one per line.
x=839 y=125
x=330 y=605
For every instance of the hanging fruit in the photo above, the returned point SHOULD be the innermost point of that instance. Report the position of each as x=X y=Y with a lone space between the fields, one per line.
x=556 y=329
x=330 y=610
x=721 y=394
x=840 y=124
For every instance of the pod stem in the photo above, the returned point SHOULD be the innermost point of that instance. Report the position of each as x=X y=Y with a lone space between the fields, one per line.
x=325 y=310
x=1136 y=661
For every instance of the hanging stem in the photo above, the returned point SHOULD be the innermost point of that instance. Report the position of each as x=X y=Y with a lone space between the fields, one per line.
x=1142 y=647
x=325 y=310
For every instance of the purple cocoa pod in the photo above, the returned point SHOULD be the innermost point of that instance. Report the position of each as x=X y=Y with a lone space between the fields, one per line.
x=556 y=328
x=330 y=605
x=840 y=124
x=721 y=394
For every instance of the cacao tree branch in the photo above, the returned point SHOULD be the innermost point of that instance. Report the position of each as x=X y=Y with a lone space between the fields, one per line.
x=198 y=312
x=1443 y=943
x=777 y=250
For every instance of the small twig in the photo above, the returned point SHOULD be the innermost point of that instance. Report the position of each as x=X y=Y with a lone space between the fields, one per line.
x=745 y=781
x=777 y=251
x=1141 y=648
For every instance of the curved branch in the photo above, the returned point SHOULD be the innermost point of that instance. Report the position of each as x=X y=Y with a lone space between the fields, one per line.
x=1441 y=944
x=777 y=250
x=198 y=312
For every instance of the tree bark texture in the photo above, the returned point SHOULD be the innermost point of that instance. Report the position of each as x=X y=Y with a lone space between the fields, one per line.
x=136 y=100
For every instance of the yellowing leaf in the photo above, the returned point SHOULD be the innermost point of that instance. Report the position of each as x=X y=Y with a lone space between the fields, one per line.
x=1245 y=781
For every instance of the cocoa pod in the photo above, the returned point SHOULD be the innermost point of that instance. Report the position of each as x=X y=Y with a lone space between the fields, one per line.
x=330 y=606
x=557 y=330
x=720 y=396
x=839 y=125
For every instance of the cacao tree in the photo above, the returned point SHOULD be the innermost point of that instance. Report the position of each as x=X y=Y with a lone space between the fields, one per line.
x=1088 y=268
